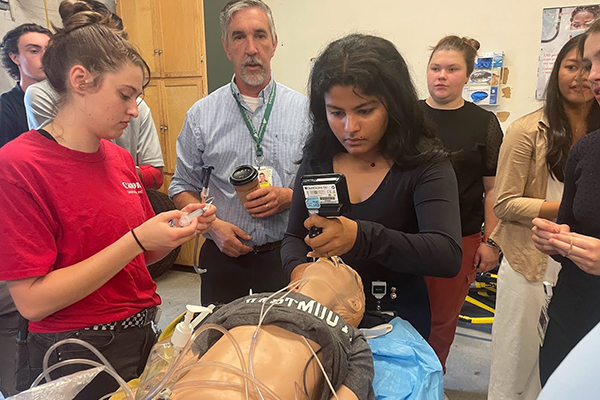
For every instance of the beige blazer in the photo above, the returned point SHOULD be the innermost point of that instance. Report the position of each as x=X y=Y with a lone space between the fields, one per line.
x=521 y=185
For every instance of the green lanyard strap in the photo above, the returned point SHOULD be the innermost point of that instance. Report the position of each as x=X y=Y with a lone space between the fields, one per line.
x=257 y=136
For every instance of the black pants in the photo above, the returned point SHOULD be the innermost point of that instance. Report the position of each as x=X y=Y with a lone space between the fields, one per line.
x=556 y=347
x=9 y=326
x=230 y=278
x=126 y=349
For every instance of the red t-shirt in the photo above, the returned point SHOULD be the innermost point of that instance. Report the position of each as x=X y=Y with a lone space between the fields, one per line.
x=59 y=207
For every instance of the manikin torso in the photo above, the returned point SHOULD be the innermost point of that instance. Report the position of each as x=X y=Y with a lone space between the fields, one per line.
x=279 y=361
x=280 y=357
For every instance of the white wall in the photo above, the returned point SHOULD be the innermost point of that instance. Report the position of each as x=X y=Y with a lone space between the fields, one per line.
x=304 y=27
x=33 y=11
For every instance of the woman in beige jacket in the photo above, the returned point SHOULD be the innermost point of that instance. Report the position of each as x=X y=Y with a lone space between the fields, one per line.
x=529 y=185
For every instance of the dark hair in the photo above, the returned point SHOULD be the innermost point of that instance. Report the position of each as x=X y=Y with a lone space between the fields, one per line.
x=93 y=41
x=467 y=46
x=373 y=65
x=560 y=131
x=10 y=44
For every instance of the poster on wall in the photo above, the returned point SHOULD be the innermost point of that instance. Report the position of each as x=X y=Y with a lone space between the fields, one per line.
x=559 y=24
x=484 y=81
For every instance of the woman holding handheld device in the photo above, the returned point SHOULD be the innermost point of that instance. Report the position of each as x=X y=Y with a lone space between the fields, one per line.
x=76 y=226
x=404 y=220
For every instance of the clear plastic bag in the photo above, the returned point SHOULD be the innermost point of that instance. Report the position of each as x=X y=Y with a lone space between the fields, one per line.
x=65 y=388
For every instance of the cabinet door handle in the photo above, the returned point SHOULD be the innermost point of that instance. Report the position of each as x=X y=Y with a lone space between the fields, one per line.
x=155 y=51
x=166 y=128
x=159 y=52
x=161 y=127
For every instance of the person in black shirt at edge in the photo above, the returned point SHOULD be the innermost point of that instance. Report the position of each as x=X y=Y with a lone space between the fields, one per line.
x=473 y=136
x=404 y=222
x=22 y=51
x=574 y=240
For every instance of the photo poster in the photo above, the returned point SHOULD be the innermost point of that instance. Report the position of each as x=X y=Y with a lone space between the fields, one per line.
x=559 y=25
x=484 y=82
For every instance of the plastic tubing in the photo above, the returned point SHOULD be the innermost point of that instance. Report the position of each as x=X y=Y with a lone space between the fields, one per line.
x=263 y=314
x=208 y=383
x=73 y=341
x=234 y=370
x=122 y=383
x=174 y=366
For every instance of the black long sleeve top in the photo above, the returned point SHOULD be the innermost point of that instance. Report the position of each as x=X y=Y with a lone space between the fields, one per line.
x=574 y=306
x=408 y=228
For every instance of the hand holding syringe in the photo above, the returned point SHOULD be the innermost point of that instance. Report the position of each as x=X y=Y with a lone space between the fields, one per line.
x=187 y=219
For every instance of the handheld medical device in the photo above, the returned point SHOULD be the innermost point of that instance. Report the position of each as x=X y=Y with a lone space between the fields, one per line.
x=205 y=180
x=325 y=195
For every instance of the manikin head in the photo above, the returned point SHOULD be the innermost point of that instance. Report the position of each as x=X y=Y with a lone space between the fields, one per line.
x=336 y=286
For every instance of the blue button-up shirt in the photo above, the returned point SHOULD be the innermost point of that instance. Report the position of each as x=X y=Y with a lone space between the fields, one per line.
x=214 y=133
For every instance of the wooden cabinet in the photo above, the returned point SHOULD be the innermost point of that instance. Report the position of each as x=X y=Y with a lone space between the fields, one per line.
x=139 y=21
x=177 y=94
x=169 y=100
x=170 y=37
x=181 y=40
x=168 y=33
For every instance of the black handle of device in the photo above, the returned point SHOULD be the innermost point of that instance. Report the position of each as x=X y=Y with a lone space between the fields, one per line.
x=314 y=232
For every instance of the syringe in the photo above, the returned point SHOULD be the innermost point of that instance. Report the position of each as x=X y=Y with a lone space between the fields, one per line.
x=187 y=219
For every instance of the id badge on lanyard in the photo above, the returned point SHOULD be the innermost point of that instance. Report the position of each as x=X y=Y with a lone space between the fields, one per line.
x=257 y=137
x=265 y=176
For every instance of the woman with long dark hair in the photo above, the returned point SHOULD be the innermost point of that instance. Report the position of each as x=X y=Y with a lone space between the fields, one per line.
x=529 y=184
x=404 y=220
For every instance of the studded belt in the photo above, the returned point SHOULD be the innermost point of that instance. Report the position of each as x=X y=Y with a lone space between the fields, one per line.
x=142 y=318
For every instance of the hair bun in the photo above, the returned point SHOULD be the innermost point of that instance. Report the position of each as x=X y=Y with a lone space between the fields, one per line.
x=77 y=14
x=68 y=8
x=472 y=42
x=81 y=19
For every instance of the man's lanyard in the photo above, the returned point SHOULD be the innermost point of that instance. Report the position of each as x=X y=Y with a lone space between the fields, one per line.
x=257 y=136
